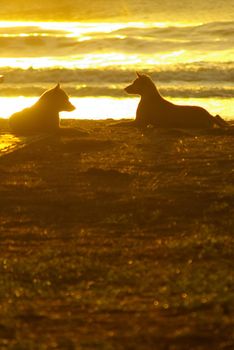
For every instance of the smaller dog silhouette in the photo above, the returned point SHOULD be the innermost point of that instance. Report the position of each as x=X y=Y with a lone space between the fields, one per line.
x=153 y=109
x=43 y=116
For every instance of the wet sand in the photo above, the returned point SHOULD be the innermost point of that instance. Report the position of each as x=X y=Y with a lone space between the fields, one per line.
x=118 y=239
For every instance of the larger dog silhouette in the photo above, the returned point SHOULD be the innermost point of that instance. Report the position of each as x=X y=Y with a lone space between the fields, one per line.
x=43 y=116
x=153 y=109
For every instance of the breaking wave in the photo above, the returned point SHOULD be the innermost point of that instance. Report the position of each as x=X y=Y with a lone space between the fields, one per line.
x=197 y=80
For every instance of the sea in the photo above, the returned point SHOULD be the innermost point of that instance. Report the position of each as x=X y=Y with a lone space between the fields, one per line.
x=94 y=50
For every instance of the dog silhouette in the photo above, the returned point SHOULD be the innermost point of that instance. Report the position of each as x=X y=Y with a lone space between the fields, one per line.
x=153 y=109
x=43 y=116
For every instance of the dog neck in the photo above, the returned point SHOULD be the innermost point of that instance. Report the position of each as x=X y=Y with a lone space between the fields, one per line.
x=46 y=107
x=151 y=93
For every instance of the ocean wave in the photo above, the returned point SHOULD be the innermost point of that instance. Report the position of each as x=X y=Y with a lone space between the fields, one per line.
x=221 y=29
x=117 y=91
x=195 y=72
x=33 y=41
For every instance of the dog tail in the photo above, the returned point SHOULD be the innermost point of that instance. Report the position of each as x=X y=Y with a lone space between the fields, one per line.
x=221 y=122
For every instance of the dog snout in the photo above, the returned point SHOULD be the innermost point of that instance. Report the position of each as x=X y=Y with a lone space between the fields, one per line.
x=72 y=107
x=128 y=89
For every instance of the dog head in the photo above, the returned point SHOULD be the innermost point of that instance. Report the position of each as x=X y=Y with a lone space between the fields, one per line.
x=56 y=99
x=140 y=85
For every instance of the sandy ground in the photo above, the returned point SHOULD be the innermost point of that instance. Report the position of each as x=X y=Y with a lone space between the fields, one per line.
x=118 y=239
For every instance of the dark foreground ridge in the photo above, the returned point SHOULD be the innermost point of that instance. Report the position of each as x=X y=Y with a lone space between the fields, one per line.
x=121 y=239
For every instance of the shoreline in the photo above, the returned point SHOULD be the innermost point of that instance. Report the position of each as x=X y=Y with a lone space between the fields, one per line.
x=101 y=108
x=10 y=142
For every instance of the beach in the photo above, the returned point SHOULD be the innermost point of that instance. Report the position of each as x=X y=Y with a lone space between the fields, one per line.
x=117 y=238
x=112 y=237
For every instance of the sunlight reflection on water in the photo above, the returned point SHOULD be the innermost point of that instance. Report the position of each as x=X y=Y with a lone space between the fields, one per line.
x=104 y=44
x=106 y=107
x=8 y=142
x=86 y=108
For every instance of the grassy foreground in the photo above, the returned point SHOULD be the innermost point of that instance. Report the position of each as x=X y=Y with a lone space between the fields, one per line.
x=119 y=239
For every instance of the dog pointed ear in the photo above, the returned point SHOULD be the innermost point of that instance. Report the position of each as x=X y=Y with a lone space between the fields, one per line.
x=57 y=86
x=138 y=74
